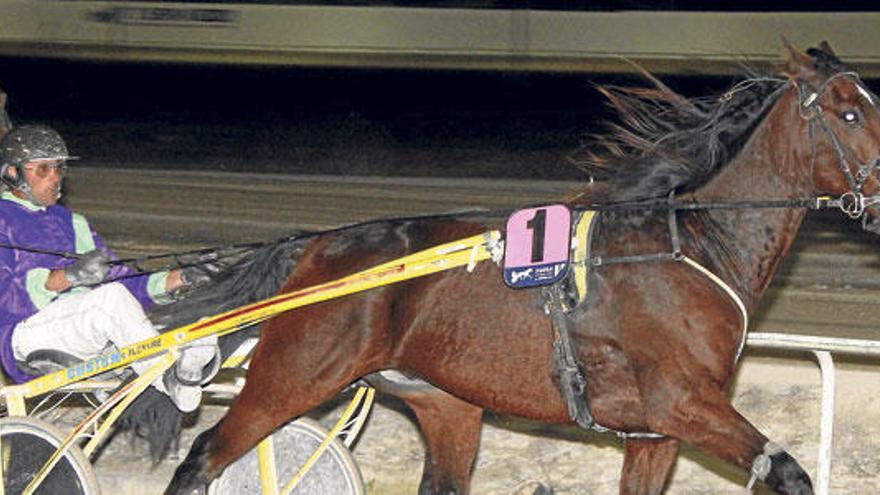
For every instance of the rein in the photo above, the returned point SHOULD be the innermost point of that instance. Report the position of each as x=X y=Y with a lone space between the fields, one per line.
x=813 y=203
x=212 y=254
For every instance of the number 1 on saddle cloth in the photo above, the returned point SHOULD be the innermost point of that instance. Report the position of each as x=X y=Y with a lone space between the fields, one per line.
x=537 y=246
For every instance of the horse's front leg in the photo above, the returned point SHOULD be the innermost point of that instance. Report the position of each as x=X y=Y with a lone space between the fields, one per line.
x=451 y=430
x=647 y=464
x=703 y=417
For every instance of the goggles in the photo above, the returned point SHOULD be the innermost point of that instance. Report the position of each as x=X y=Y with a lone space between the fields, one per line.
x=42 y=169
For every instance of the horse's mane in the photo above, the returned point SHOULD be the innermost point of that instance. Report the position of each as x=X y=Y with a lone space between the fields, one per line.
x=666 y=142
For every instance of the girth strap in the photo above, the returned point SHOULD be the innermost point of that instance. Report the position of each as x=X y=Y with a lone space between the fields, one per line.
x=572 y=382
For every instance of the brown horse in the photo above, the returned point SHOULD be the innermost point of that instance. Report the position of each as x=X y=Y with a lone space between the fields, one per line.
x=656 y=340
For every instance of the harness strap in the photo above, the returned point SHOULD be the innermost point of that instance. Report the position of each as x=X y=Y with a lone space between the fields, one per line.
x=580 y=255
x=672 y=221
x=673 y=255
x=572 y=381
x=733 y=295
x=855 y=186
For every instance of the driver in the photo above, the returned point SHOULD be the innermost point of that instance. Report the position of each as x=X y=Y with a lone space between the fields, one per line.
x=57 y=304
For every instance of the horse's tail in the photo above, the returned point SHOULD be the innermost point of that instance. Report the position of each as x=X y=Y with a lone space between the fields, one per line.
x=257 y=274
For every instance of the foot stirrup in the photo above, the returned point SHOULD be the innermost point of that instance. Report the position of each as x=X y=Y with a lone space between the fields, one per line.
x=198 y=364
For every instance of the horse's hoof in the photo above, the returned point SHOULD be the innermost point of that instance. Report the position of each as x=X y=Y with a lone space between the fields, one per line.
x=786 y=476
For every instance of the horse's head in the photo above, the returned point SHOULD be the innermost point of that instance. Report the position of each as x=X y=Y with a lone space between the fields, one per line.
x=844 y=124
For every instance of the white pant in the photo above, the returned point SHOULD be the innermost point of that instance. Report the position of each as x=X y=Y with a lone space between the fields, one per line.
x=83 y=324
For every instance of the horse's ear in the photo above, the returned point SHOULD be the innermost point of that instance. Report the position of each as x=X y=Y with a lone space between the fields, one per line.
x=825 y=47
x=796 y=60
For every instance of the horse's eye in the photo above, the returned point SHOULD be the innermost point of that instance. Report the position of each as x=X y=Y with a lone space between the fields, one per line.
x=851 y=117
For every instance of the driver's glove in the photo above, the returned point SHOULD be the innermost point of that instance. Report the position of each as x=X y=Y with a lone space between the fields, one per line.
x=89 y=269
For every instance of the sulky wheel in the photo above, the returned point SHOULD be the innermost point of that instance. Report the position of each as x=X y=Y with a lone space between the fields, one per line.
x=25 y=446
x=335 y=472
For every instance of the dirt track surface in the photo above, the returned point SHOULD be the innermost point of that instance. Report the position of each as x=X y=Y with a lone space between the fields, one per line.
x=779 y=395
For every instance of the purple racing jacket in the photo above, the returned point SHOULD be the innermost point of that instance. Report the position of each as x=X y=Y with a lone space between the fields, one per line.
x=23 y=274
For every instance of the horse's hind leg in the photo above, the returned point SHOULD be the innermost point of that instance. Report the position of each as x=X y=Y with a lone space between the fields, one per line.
x=647 y=464
x=248 y=420
x=274 y=393
x=451 y=430
x=253 y=415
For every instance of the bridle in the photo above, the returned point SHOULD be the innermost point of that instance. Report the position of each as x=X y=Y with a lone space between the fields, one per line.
x=853 y=203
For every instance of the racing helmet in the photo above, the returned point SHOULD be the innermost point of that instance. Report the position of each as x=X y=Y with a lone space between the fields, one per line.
x=25 y=144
